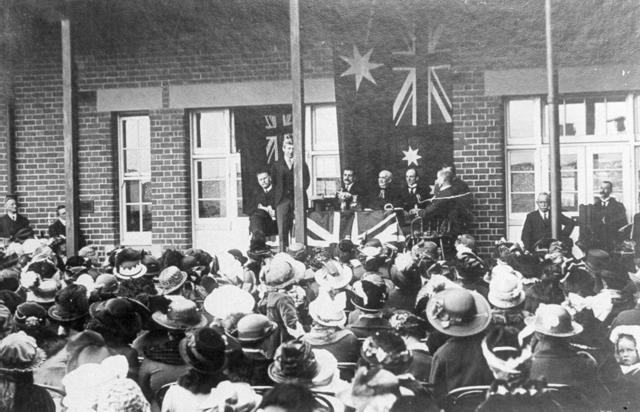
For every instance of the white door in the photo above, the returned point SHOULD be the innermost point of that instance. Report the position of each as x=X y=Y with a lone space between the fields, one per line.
x=218 y=223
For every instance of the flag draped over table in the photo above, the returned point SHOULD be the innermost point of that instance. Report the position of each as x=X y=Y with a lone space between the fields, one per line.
x=259 y=133
x=393 y=94
x=324 y=228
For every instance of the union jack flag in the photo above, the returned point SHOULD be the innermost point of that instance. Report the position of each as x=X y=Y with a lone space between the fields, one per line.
x=324 y=228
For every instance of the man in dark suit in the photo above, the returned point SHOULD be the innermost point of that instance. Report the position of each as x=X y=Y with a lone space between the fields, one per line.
x=350 y=191
x=609 y=216
x=283 y=175
x=386 y=194
x=12 y=221
x=59 y=227
x=537 y=225
x=414 y=193
x=262 y=215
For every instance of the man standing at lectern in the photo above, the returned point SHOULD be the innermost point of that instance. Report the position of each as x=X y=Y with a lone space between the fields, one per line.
x=283 y=176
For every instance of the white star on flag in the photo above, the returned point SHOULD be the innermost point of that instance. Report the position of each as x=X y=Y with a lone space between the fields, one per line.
x=411 y=156
x=360 y=66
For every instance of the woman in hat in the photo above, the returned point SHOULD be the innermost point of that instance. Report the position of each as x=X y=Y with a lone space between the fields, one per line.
x=119 y=320
x=173 y=281
x=204 y=354
x=162 y=362
x=19 y=356
x=556 y=360
x=463 y=315
x=471 y=270
x=279 y=276
x=413 y=331
x=130 y=271
x=289 y=397
x=31 y=318
x=369 y=296
x=507 y=296
x=296 y=362
x=328 y=332
x=258 y=338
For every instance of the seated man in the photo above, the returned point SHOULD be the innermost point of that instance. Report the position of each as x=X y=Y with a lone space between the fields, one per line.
x=451 y=202
x=537 y=224
x=413 y=194
x=386 y=194
x=262 y=213
x=11 y=222
x=350 y=191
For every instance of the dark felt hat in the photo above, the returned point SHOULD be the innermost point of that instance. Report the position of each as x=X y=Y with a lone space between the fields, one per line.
x=71 y=303
x=203 y=350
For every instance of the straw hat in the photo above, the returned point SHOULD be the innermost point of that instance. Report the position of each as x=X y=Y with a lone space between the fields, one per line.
x=182 y=314
x=327 y=312
x=128 y=264
x=282 y=271
x=254 y=327
x=170 y=280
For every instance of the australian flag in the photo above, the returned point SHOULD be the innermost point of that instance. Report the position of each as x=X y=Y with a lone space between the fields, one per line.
x=393 y=94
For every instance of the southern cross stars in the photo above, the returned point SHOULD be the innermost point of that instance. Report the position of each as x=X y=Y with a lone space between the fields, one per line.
x=360 y=66
x=411 y=156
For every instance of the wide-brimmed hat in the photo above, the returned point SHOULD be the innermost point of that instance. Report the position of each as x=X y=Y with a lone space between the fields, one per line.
x=227 y=300
x=181 y=314
x=170 y=280
x=45 y=269
x=124 y=316
x=254 y=327
x=122 y=395
x=327 y=312
x=370 y=293
x=296 y=362
x=458 y=312
x=386 y=349
x=505 y=291
x=237 y=254
x=553 y=320
x=282 y=270
x=128 y=264
x=203 y=350
x=19 y=352
x=31 y=245
x=106 y=283
x=333 y=275
x=298 y=251
x=71 y=303
x=44 y=291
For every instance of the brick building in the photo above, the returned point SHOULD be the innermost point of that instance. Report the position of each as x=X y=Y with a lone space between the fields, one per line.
x=155 y=106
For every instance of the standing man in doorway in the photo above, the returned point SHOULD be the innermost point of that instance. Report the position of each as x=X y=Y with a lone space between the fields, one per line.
x=609 y=216
x=537 y=225
x=59 y=227
x=12 y=221
x=283 y=176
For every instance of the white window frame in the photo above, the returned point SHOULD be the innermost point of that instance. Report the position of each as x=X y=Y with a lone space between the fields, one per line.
x=312 y=154
x=131 y=238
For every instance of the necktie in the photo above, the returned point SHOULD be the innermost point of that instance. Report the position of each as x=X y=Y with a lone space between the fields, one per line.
x=546 y=216
x=412 y=190
x=381 y=194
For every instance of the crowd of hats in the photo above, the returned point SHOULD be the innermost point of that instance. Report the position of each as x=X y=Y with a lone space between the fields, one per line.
x=216 y=301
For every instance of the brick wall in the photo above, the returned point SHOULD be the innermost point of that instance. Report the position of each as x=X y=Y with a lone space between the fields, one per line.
x=39 y=151
x=478 y=152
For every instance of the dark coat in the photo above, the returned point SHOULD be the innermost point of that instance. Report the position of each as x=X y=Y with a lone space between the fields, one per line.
x=459 y=362
x=391 y=195
x=452 y=203
x=409 y=200
x=607 y=221
x=356 y=190
x=342 y=344
x=57 y=228
x=283 y=180
x=260 y=219
x=9 y=227
x=259 y=196
x=536 y=228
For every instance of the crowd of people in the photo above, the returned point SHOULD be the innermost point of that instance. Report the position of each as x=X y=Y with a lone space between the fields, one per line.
x=364 y=327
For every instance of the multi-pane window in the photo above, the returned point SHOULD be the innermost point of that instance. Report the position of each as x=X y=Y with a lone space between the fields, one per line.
x=322 y=149
x=593 y=116
x=522 y=181
x=608 y=167
x=569 y=181
x=135 y=179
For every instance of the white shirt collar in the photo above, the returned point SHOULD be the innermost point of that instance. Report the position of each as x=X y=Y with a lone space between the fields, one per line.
x=268 y=189
x=12 y=215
